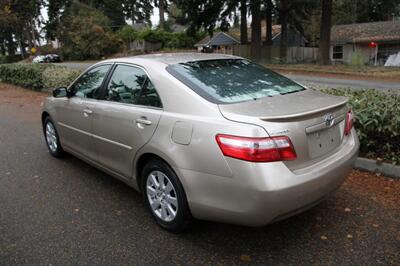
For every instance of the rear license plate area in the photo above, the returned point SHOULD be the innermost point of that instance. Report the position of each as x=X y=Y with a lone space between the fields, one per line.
x=323 y=141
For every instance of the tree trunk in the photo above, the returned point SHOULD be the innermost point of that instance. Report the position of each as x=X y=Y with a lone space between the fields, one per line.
x=10 y=44
x=161 y=11
x=255 y=7
x=243 y=22
x=2 y=48
x=235 y=20
x=283 y=14
x=22 y=47
x=268 y=20
x=325 y=33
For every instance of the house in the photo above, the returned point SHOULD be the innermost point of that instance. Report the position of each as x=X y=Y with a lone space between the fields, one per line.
x=295 y=37
x=144 y=46
x=220 y=42
x=365 y=43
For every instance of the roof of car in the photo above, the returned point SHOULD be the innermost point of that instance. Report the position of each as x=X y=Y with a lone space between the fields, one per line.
x=175 y=58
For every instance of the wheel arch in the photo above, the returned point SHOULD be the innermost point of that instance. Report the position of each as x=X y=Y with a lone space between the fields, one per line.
x=45 y=114
x=142 y=160
x=145 y=157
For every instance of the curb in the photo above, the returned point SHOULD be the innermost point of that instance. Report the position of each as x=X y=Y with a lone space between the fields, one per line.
x=375 y=166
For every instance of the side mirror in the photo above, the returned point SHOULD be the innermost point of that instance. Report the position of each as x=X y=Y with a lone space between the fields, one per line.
x=60 y=92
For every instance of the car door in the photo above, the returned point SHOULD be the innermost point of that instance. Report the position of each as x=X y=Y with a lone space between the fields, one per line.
x=126 y=117
x=74 y=114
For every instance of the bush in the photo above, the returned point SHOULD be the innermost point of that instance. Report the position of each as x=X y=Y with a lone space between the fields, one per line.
x=24 y=75
x=357 y=59
x=377 y=116
x=4 y=59
x=55 y=77
x=127 y=34
x=154 y=36
x=174 y=40
x=180 y=40
x=36 y=76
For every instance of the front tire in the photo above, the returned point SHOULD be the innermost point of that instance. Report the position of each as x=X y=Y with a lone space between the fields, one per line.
x=165 y=197
x=52 y=138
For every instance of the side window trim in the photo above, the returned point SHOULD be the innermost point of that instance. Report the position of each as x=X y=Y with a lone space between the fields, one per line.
x=102 y=84
x=108 y=79
x=106 y=82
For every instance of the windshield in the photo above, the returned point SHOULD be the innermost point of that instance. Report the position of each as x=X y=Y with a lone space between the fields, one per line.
x=232 y=80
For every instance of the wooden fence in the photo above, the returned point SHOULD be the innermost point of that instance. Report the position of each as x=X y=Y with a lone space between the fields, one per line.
x=270 y=54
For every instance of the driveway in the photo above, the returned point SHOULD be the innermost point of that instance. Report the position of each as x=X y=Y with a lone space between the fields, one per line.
x=63 y=211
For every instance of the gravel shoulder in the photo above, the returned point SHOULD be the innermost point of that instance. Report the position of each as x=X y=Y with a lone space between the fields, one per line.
x=67 y=212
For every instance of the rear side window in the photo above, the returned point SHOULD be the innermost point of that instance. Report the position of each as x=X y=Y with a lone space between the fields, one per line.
x=131 y=85
x=232 y=80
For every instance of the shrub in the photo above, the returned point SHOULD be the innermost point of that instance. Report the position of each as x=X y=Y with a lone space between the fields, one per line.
x=4 y=59
x=174 y=40
x=24 y=75
x=37 y=76
x=127 y=34
x=154 y=36
x=357 y=59
x=180 y=40
x=55 y=77
x=377 y=122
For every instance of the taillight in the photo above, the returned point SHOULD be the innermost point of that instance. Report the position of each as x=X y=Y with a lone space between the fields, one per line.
x=257 y=149
x=349 y=122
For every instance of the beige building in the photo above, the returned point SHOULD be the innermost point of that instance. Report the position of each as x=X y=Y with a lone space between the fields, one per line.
x=365 y=43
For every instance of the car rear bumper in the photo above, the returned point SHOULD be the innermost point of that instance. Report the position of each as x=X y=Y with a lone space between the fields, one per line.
x=261 y=193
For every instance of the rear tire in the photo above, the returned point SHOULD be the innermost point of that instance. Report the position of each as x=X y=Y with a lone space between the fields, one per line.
x=52 y=139
x=165 y=197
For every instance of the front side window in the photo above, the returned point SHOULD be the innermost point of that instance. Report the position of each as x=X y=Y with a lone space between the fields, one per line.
x=131 y=85
x=89 y=84
x=232 y=80
x=337 y=52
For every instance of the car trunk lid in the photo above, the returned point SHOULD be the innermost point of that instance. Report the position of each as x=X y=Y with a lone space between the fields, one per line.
x=314 y=121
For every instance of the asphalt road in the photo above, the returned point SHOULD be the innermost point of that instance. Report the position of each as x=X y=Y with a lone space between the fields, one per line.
x=344 y=82
x=63 y=211
x=309 y=80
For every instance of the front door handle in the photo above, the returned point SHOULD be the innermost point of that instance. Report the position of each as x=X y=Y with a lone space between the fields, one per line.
x=143 y=121
x=87 y=112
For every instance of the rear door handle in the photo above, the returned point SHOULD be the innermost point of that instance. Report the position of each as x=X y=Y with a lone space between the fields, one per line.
x=143 y=121
x=87 y=112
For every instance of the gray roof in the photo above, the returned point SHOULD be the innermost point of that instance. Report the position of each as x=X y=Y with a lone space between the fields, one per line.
x=220 y=38
x=384 y=31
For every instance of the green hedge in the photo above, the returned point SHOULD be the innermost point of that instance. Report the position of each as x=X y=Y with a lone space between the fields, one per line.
x=4 y=59
x=38 y=77
x=55 y=77
x=377 y=121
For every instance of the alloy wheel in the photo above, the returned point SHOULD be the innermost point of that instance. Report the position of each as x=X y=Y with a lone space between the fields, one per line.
x=51 y=137
x=162 y=196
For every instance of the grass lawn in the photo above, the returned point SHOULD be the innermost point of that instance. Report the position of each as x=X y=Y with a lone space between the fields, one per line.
x=362 y=71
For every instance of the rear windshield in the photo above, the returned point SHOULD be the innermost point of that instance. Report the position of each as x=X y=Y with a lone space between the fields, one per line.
x=232 y=80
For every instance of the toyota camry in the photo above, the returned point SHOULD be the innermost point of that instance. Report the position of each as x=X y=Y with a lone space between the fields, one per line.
x=206 y=136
